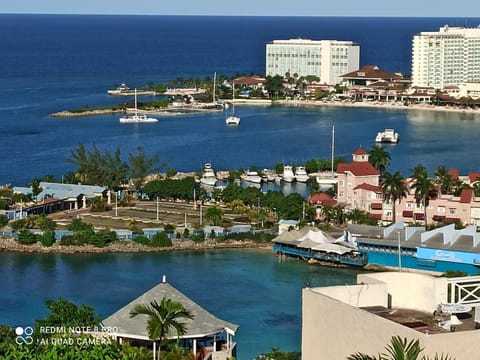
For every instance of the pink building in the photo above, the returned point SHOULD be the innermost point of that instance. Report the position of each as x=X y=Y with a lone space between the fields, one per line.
x=358 y=184
x=359 y=188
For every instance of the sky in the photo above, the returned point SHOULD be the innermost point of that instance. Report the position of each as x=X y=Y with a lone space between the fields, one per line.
x=405 y=8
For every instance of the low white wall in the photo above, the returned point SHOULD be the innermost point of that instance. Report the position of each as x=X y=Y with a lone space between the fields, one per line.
x=358 y=295
x=410 y=290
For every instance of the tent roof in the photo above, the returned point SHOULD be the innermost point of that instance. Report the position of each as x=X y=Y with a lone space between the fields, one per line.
x=203 y=323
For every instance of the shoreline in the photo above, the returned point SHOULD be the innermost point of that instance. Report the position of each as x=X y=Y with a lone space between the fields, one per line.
x=128 y=246
x=376 y=105
x=291 y=103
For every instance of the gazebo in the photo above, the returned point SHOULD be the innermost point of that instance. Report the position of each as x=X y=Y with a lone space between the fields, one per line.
x=206 y=335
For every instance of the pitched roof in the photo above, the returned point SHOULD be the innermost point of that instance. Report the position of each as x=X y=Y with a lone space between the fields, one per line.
x=360 y=151
x=202 y=324
x=371 y=72
x=466 y=196
x=473 y=177
x=358 y=168
x=369 y=187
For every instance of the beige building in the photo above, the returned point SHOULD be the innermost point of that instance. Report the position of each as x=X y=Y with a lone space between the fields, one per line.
x=341 y=320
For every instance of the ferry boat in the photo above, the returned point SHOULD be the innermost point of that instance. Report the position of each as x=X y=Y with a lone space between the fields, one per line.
x=288 y=175
x=208 y=176
x=301 y=174
x=387 y=136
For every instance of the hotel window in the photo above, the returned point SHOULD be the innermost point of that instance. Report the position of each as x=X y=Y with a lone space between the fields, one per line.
x=452 y=211
x=441 y=209
x=340 y=194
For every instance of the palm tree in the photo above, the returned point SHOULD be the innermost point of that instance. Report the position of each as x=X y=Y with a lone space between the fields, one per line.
x=400 y=349
x=443 y=179
x=162 y=318
x=393 y=189
x=379 y=158
x=423 y=187
x=214 y=214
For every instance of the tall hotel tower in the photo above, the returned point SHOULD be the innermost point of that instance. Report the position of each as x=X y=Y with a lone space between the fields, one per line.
x=327 y=59
x=450 y=56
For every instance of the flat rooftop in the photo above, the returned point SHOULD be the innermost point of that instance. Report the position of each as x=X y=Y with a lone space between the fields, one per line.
x=423 y=322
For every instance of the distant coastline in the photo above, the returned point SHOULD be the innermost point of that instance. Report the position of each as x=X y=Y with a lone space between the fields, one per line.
x=260 y=102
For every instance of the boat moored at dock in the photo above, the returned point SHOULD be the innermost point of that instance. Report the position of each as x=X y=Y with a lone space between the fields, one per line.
x=301 y=174
x=288 y=175
x=208 y=176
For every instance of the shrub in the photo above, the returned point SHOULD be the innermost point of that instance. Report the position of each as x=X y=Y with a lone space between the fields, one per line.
x=3 y=220
x=47 y=238
x=161 y=239
x=26 y=237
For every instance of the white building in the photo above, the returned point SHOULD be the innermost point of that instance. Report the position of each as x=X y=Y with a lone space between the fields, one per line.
x=327 y=59
x=450 y=56
x=338 y=321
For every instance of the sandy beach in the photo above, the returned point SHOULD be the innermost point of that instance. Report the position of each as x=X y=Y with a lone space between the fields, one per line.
x=377 y=105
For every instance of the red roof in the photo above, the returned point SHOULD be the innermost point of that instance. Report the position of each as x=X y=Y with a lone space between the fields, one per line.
x=453 y=173
x=360 y=151
x=369 y=187
x=371 y=72
x=251 y=80
x=320 y=198
x=466 y=196
x=376 y=206
x=474 y=177
x=358 y=168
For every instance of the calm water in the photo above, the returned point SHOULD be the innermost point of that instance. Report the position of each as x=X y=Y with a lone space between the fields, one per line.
x=248 y=287
x=52 y=63
x=57 y=62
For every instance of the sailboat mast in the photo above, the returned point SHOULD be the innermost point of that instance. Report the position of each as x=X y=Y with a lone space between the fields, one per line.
x=136 y=111
x=333 y=149
x=214 y=84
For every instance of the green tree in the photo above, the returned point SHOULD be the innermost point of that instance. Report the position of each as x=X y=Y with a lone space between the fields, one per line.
x=423 y=187
x=162 y=318
x=393 y=189
x=67 y=314
x=400 y=349
x=214 y=215
x=444 y=179
x=141 y=165
x=379 y=158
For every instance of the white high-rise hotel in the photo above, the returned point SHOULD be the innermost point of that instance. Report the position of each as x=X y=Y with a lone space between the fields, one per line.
x=450 y=56
x=327 y=59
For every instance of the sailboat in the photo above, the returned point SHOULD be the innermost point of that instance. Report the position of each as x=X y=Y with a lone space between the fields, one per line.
x=233 y=120
x=329 y=181
x=137 y=118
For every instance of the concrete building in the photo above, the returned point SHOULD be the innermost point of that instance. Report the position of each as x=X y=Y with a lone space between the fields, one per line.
x=338 y=321
x=450 y=56
x=327 y=59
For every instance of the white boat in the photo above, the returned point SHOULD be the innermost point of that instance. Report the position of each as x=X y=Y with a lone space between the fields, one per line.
x=119 y=90
x=288 y=175
x=208 y=176
x=233 y=120
x=135 y=118
x=252 y=176
x=329 y=180
x=269 y=174
x=387 y=136
x=301 y=174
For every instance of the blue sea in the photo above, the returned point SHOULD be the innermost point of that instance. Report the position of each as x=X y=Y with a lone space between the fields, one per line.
x=50 y=63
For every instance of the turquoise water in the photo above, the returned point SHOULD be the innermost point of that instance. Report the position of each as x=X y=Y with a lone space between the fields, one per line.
x=251 y=288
